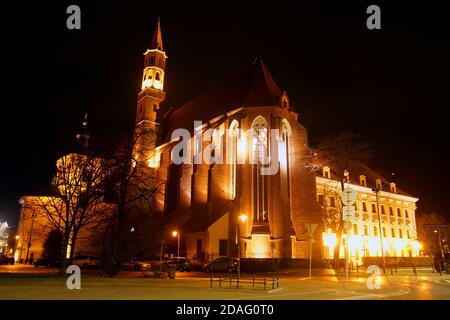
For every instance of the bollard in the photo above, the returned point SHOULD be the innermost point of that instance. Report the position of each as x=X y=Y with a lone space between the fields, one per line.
x=265 y=283
x=220 y=280
x=253 y=281
x=211 y=281
x=440 y=269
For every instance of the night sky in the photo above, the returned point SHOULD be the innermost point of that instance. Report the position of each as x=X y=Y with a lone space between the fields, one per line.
x=389 y=85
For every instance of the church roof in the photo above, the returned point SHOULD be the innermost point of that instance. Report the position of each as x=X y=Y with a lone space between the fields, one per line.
x=252 y=87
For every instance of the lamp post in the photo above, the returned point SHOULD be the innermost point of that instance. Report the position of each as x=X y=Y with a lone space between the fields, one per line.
x=29 y=236
x=177 y=234
x=380 y=230
x=241 y=218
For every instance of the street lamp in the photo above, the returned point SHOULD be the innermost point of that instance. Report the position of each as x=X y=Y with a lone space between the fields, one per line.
x=241 y=218
x=177 y=234
x=380 y=230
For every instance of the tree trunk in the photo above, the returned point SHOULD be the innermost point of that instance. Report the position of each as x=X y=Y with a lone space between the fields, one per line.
x=63 y=265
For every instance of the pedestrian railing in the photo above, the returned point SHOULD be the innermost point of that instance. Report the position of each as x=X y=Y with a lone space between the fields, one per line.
x=266 y=283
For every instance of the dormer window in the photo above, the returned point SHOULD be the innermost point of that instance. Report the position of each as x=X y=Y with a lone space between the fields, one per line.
x=378 y=184
x=362 y=180
x=393 y=187
x=326 y=172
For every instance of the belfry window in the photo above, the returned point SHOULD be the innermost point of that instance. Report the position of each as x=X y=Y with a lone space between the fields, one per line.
x=260 y=160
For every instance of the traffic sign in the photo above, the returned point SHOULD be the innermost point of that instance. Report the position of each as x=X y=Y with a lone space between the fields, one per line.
x=349 y=196
x=348 y=213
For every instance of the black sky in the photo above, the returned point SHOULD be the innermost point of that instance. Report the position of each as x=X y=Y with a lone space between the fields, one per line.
x=390 y=85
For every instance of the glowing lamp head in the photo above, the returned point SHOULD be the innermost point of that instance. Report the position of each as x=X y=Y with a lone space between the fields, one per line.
x=174 y=233
x=17 y=237
x=243 y=217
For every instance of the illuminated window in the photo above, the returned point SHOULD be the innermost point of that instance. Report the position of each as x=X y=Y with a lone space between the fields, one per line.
x=400 y=233
x=391 y=211
x=392 y=232
x=355 y=229
x=366 y=231
x=364 y=206
x=408 y=233
x=406 y=214
x=393 y=187
x=157 y=78
x=326 y=172
x=284 y=151
x=233 y=136
x=378 y=184
x=384 y=232
x=362 y=180
x=375 y=231
x=383 y=210
x=399 y=212
x=374 y=208
x=260 y=154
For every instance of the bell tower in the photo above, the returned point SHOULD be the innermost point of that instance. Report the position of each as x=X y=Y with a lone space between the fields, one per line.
x=151 y=95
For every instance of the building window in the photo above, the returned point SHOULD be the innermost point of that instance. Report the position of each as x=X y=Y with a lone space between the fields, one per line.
x=356 y=206
x=355 y=229
x=260 y=154
x=399 y=212
x=408 y=233
x=364 y=206
x=383 y=210
x=392 y=232
x=366 y=231
x=384 y=232
x=391 y=211
x=362 y=180
x=326 y=172
x=400 y=233
x=374 y=208
x=321 y=199
x=375 y=231
x=378 y=184
x=233 y=136
x=332 y=202
x=406 y=214
x=393 y=187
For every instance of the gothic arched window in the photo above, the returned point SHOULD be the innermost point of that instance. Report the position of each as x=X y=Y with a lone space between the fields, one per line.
x=260 y=154
x=233 y=135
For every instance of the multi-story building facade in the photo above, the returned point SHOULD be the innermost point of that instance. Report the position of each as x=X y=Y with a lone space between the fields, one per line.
x=376 y=197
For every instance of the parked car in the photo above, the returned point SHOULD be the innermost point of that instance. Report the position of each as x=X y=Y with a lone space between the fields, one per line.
x=85 y=261
x=136 y=265
x=181 y=264
x=438 y=260
x=49 y=263
x=6 y=260
x=221 y=264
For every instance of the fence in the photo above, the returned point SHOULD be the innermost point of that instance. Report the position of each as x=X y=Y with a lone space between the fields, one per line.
x=267 y=283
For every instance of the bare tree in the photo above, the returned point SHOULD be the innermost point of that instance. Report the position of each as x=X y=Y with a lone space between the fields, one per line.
x=135 y=186
x=428 y=236
x=342 y=153
x=77 y=202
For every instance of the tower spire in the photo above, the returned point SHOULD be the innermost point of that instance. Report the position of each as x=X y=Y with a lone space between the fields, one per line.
x=157 y=38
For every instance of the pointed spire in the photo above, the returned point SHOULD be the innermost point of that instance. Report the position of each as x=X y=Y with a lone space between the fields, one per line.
x=157 y=38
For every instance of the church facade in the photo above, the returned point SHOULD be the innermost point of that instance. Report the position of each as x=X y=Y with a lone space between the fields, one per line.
x=220 y=206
